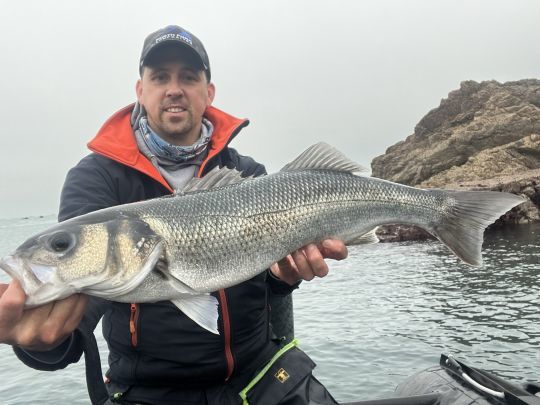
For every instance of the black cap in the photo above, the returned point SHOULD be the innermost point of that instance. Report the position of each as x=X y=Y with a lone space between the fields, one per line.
x=173 y=34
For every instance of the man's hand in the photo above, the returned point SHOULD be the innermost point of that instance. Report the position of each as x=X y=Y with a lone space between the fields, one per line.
x=41 y=328
x=308 y=262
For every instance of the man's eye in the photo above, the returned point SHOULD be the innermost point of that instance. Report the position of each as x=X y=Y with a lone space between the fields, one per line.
x=190 y=78
x=159 y=78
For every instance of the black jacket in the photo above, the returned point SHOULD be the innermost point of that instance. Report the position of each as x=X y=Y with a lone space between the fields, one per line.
x=156 y=345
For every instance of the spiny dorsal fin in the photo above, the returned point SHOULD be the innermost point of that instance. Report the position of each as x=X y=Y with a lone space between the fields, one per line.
x=323 y=156
x=214 y=178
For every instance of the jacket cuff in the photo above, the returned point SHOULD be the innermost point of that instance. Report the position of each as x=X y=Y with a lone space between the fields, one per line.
x=55 y=359
x=278 y=286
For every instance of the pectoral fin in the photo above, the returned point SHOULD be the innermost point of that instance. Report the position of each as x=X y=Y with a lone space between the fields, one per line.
x=202 y=309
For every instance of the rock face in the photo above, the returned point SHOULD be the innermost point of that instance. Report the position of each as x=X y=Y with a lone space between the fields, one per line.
x=484 y=136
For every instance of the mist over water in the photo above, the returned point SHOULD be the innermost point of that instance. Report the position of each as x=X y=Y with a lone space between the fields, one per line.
x=387 y=311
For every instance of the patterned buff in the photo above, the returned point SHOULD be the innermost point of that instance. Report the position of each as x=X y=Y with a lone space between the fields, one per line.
x=177 y=164
x=174 y=153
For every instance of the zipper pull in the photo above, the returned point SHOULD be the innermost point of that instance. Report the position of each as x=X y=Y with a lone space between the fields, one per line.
x=133 y=324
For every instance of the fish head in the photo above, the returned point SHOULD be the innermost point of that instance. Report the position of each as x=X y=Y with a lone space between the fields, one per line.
x=77 y=256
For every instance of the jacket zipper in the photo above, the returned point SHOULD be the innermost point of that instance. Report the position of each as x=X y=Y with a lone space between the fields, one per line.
x=133 y=324
x=222 y=297
x=226 y=333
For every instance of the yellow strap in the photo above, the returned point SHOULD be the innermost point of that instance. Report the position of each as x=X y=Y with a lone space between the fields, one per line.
x=252 y=383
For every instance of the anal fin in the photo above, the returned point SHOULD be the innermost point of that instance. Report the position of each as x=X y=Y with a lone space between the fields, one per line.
x=365 y=239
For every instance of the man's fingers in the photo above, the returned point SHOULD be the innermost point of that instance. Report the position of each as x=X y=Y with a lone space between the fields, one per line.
x=62 y=320
x=32 y=330
x=304 y=268
x=77 y=314
x=62 y=310
x=40 y=328
x=286 y=264
x=286 y=270
x=46 y=326
x=333 y=249
x=315 y=259
x=308 y=262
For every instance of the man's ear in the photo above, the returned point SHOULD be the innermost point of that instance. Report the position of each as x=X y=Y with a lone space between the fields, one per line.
x=211 y=93
x=138 y=90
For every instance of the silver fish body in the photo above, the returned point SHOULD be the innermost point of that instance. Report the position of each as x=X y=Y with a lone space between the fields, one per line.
x=224 y=230
x=217 y=239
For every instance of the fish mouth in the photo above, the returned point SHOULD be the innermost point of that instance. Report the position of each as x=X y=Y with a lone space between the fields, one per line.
x=39 y=282
x=9 y=264
x=19 y=269
x=31 y=276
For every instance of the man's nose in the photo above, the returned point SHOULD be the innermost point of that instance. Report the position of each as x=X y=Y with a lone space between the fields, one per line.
x=175 y=89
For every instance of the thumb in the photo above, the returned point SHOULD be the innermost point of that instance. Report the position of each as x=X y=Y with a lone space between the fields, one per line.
x=11 y=306
x=15 y=288
x=3 y=288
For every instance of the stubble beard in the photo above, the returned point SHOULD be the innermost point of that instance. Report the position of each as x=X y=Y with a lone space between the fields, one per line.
x=180 y=132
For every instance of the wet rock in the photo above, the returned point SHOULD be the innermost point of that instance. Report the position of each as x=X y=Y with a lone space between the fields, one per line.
x=483 y=136
x=399 y=233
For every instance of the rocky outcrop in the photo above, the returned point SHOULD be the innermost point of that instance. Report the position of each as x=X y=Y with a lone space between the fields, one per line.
x=484 y=136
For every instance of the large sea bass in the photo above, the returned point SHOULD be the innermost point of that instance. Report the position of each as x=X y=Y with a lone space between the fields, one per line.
x=223 y=230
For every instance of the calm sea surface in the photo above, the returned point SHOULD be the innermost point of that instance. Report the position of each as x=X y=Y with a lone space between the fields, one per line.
x=387 y=311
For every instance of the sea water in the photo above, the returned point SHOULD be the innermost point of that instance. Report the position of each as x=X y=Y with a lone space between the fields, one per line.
x=386 y=312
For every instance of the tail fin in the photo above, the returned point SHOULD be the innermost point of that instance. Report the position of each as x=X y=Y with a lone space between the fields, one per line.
x=472 y=211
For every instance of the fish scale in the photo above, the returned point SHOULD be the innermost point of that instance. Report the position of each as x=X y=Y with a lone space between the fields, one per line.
x=224 y=236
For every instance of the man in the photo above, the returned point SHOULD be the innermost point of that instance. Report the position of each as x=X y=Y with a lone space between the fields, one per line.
x=157 y=354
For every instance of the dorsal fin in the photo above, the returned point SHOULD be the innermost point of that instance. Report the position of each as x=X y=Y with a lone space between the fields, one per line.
x=323 y=156
x=214 y=178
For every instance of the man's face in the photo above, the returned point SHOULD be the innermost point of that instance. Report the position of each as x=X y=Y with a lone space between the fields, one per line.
x=175 y=94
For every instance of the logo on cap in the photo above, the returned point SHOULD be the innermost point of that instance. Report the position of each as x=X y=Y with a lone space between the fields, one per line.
x=173 y=34
x=184 y=35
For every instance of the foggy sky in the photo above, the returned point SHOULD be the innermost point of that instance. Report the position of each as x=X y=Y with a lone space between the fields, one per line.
x=357 y=74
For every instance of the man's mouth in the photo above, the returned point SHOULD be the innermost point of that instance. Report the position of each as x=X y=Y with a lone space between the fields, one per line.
x=174 y=109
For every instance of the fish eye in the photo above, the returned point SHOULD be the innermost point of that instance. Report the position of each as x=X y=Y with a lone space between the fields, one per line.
x=61 y=242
